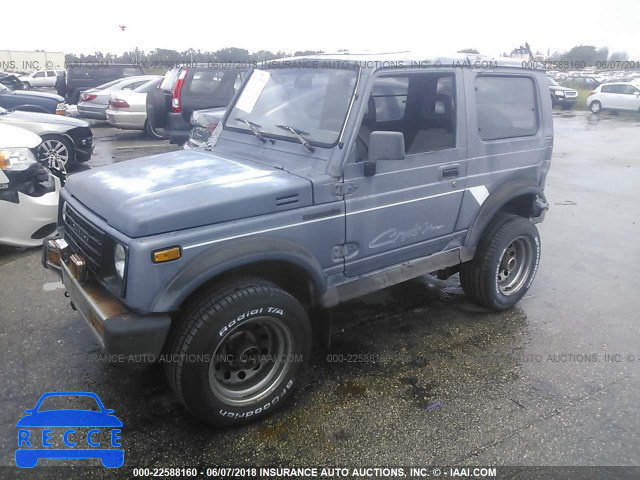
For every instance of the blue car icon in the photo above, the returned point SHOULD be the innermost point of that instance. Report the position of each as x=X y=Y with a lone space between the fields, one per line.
x=31 y=447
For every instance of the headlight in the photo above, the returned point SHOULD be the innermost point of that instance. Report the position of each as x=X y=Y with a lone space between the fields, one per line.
x=559 y=93
x=16 y=159
x=119 y=259
x=61 y=109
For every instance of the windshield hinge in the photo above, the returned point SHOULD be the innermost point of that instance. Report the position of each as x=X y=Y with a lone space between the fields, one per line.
x=341 y=189
x=345 y=250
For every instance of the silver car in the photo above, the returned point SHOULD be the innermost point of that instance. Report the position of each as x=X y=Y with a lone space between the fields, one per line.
x=95 y=101
x=128 y=108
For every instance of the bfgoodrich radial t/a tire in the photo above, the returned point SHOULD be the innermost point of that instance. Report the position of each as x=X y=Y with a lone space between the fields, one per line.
x=505 y=263
x=239 y=352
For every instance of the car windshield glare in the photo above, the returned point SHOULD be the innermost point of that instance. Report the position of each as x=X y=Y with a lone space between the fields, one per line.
x=314 y=102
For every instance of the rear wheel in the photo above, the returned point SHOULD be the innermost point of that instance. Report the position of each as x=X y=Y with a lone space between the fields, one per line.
x=27 y=86
x=157 y=107
x=595 y=106
x=505 y=263
x=151 y=132
x=239 y=352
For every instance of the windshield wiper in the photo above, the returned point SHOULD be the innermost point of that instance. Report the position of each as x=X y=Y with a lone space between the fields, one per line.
x=298 y=134
x=255 y=128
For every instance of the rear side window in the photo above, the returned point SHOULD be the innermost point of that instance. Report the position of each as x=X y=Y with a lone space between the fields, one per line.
x=506 y=107
x=147 y=87
x=205 y=82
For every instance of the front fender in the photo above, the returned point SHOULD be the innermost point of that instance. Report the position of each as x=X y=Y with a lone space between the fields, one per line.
x=500 y=197
x=229 y=256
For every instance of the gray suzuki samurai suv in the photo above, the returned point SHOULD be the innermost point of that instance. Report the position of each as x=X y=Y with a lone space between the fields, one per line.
x=329 y=177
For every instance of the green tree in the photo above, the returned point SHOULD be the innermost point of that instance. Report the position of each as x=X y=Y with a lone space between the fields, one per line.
x=582 y=53
x=232 y=54
x=619 y=56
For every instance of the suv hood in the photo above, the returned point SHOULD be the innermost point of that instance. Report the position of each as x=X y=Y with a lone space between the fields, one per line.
x=185 y=189
x=33 y=94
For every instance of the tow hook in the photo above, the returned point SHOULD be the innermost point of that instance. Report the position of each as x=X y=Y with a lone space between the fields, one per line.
x=72 y=305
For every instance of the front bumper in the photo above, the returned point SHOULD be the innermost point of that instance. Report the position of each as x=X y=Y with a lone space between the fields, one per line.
x=119 y=330
x=28 y=221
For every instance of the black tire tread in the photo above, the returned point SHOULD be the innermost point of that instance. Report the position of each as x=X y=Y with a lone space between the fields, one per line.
x=200 y=309
x=471 y=272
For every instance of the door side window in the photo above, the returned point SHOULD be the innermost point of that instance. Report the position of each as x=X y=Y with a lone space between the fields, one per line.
x=420 y=106
x=390 y=98
x=628 y=89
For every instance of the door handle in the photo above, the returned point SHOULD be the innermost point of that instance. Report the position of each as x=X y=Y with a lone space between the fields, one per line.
x=451 y=171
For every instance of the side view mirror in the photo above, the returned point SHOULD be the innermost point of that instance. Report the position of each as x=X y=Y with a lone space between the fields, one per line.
x=637 y=94
x=386 y=146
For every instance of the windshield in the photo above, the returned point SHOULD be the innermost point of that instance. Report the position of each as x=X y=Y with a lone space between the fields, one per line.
x=314 y=102
x=552 y=82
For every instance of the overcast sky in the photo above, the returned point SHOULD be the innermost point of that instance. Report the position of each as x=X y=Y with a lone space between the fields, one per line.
x=442 y=27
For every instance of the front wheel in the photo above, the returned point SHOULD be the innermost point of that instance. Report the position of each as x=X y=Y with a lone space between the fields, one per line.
x=595 y=106
x=505 y=263
x=238 y=352
x=56 y=150
x=27 y=86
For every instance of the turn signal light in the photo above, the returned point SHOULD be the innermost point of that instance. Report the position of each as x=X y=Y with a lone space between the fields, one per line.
x=166 y=255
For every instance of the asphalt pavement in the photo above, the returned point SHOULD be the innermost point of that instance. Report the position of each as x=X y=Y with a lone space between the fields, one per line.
x=416 y=374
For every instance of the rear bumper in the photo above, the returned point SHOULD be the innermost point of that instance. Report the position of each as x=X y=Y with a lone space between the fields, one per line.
x=97 y=112
x=176 y=129
x=126 y=120
x=118 y=330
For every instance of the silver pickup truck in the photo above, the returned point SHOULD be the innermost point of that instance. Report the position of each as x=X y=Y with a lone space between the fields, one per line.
x=328 y=178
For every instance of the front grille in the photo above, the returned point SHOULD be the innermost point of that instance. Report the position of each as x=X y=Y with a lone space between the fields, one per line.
x=85 y=239
x=571 y=94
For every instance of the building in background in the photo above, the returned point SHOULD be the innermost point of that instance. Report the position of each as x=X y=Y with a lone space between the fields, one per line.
x=26 y=62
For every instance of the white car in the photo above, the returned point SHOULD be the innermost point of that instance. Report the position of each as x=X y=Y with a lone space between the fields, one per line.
x=28 y=192
x=95 y=101
x=615 y=96
x=128 y=108
x=40 y=78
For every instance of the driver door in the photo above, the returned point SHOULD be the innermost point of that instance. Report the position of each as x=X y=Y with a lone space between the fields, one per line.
x=409 y=207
